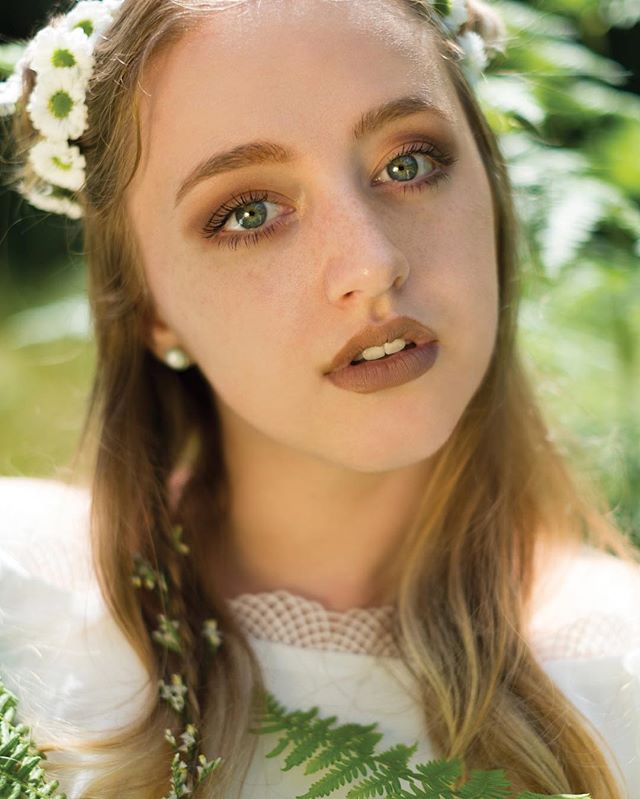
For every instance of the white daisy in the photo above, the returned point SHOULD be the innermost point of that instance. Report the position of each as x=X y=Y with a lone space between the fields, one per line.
x=113 y=5
x=47 y=200
x=11 y=88
x=56 y=106
x=59 y=50
x=10 y=91
x=475 y=56
x=59 y=163
x=457 y=16
x=92 y=17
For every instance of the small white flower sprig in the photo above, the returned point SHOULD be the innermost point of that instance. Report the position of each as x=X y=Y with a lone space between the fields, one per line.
x=454 y=14
x=187 y=770
x=62 y=57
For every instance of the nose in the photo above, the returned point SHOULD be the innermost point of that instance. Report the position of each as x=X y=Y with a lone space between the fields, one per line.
x=361 y=260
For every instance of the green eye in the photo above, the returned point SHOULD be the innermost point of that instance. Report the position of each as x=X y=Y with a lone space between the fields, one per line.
x=255 y=217
x=405 y=167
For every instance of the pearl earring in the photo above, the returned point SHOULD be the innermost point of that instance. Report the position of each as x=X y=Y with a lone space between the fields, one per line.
x=177 y=358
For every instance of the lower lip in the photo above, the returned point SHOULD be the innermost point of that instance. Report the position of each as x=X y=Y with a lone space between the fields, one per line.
x=368 y=376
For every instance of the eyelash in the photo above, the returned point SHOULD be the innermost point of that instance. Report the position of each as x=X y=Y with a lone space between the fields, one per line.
x=218 y=220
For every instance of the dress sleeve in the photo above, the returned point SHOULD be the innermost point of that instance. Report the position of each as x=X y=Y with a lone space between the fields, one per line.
x=61 y=653
x=587 y=636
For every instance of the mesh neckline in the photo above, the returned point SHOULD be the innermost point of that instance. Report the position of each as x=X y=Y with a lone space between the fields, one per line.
x=283 y=617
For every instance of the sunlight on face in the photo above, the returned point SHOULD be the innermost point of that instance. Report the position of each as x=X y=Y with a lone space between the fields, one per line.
x=334 y=243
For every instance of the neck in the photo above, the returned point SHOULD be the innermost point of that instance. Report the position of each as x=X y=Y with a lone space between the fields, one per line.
x=318 y=531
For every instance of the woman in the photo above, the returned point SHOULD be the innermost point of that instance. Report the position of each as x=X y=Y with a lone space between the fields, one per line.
x=311 y=426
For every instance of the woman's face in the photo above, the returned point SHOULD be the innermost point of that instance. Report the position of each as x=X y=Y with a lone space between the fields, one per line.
x=325 y=242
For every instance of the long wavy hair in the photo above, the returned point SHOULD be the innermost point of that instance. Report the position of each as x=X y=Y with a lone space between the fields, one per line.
x=500 y=492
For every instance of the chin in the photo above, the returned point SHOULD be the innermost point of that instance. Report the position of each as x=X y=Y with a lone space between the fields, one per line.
x=391 y=449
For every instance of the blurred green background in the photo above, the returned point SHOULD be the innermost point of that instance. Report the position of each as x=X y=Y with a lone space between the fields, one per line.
x=564 y=100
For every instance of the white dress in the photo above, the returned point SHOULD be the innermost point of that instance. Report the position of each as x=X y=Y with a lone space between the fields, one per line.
x=71 y=668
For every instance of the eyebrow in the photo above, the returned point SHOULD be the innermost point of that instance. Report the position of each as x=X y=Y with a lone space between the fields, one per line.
x=261 y=152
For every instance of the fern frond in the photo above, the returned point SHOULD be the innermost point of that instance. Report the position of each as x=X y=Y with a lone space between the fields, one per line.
x=377 y=785
x=397 y=757
x=21 y=776
x=439 y=775
x=298 y=731
x=579 y=205
x=512 y=94
x=341 y=740
x=486 y=785
x=343 y=772
x=393 y=766
x=310 y=741
x=348 y=752
x=572 y=58
x=534 y=22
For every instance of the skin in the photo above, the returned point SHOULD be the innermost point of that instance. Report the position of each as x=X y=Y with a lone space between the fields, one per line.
x=324 y=481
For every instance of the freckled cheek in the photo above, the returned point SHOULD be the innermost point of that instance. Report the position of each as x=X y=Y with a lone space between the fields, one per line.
x=245 y=311
x=275 y=284
x=472 y=228
x=456 y=248
x=454 y=269
x=480 y=274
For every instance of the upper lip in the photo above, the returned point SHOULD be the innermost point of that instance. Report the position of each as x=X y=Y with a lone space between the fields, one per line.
x=376 y=335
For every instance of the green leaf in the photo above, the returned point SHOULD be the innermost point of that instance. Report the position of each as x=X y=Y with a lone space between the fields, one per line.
x=349 y=754
x=486 y=785
x=9 y=55
x=280 y=747
x=439 y=775
x=511 y=94
x=342 y=739
x=572 y=58
x=377 y=785
x=342 y=773
x=397 y=757
x=20 y=772
x=532 y=22
x=310 y=741
x=577 y=207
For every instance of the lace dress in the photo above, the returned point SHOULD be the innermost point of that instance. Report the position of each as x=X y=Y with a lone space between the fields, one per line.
x=70 y=666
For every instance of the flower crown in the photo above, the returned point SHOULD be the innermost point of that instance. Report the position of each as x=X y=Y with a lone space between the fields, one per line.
x=62 y=57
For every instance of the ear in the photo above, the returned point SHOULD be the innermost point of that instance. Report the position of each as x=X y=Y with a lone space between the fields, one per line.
x=159 y=336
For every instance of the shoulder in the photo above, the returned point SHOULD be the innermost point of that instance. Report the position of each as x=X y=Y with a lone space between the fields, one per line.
x=61 y=652
x=44 y=531
x=586 y=605
x=585 y=632
x=27 y=500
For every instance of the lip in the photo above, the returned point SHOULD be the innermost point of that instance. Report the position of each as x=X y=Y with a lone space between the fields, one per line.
x=377 y=335
x=402 y=367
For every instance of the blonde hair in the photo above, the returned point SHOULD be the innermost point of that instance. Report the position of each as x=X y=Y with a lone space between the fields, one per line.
x=499 y=491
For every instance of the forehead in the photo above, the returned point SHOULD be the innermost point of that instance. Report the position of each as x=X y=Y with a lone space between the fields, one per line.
x=282 y=70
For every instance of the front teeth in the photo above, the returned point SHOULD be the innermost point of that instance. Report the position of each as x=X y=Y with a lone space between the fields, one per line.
x=373 y=353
